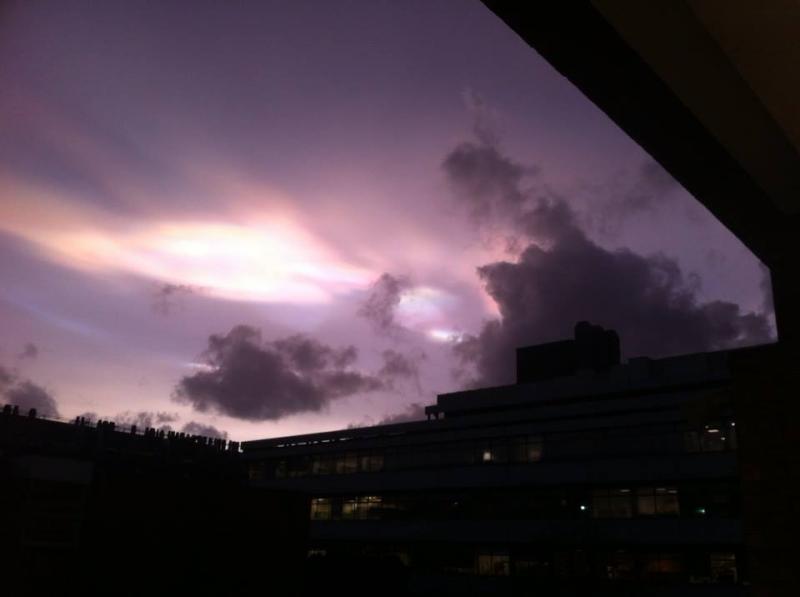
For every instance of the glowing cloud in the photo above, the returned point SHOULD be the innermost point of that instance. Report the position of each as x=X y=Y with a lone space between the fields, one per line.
x=255 y=257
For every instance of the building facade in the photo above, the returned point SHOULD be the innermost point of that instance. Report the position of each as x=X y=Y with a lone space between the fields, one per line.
x=586 y=473
x=94 y=509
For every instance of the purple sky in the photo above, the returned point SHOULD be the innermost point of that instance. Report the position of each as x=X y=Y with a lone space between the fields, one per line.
x=175 y=171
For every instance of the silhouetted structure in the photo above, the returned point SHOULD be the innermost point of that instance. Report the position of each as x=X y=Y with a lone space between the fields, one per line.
x=588 y=476
x=710 y=90
x=92 y=510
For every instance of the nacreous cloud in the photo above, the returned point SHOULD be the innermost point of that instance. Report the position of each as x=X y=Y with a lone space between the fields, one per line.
x=248 y=378
x=253 y=254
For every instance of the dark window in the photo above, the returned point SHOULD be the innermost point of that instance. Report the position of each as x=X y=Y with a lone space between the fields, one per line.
x=619 y=565
x=657 y=501
x=527 y=449
x=612 y=503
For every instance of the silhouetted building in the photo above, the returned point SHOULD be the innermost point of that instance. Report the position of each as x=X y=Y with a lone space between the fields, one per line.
x=586 y=475
x=92 y=510
x=709 y=90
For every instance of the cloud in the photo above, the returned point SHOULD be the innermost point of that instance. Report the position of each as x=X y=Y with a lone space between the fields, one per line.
x=767 y=304
x=648 y=187
x=630 y=194
x=487 y=181
x=30 y=351
x=413 y=412
x=6 y=377
x=144 y=419
x=248 y=378
x=561 y=277
x=27 y=395
x=381 y=305
x=168 y=297
x=195 y=428
x=399 y=366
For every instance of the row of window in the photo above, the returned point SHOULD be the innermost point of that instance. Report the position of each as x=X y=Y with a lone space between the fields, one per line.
x=520 y=450
x=524 y=449
x=690 y=501
x=712 y=438
x=619 y=565
x=697 y=566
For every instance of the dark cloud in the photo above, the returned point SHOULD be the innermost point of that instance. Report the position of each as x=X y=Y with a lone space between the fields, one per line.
x=384 y=297
x=413 y=412
x=6 y=378
x=767 y=304
x=30 y=351
x=195 y=428
x=562 y=277
x=169 y=297
x=399 y=366
x=646 y=299
x=248 y=378
x=144 y=419
x=645 y=190
x=487 y=181
x=27 y=395
x=630 y=194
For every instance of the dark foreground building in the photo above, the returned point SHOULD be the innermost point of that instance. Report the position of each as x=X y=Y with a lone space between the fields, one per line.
x=586 y=475
x=92 y=510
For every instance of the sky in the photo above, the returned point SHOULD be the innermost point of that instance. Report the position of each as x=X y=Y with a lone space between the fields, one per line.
x=258 y=219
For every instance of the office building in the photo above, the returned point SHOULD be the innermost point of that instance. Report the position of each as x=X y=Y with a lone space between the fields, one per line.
x=588 y=473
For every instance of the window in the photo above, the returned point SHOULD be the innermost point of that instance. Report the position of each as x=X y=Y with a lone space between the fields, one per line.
x=299 y=466
x=716 y=437
x=256 y=471
x=493 y=452
x=365 y=507
x=657 y=501
x=723 y=567
x=346 y=463
x=662 y=566
x=494 y=564
x=280 y=469
x=321 y=509
x=620 y=565
x=370 y=462
x=527 y=449
x=321 y=464
x=612 y=503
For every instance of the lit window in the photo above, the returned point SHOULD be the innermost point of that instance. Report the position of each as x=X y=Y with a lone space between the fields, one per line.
x=494 y=564
x=715 y=437
x=365 y=507
x=321 y=509
x=662 y=566
x=723 y=568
